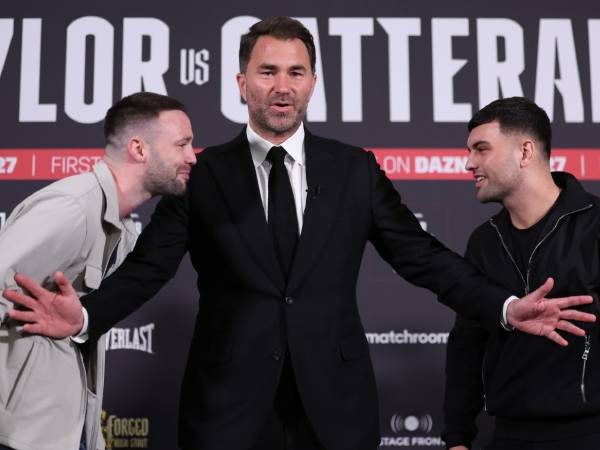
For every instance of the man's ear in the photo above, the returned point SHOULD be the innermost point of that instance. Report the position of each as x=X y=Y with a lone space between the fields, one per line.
x=241 y=81
x=528 y=149
x=137 y=150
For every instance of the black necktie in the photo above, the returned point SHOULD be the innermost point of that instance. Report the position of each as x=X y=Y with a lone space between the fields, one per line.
x=283 y=223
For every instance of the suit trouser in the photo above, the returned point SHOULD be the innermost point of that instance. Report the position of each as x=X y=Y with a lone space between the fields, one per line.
x=587 y=442
x=287 y=427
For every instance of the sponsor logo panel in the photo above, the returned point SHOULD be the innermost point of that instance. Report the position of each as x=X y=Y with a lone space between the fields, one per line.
x=125 y=432
x=137 y=338
x=449 y=164
x=398 y=163
x=411 y=430
x=47 y=163
x=146 y=44
x=407 y=337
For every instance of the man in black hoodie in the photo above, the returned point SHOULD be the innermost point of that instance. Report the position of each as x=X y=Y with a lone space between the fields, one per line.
x=543 y=397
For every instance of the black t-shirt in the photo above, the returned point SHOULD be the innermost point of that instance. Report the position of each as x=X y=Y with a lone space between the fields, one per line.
x=524 y=241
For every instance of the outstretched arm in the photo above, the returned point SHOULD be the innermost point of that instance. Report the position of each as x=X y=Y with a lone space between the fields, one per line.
x=153 y=262
x=424 y=261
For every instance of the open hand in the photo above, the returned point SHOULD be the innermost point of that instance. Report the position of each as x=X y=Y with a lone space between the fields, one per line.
x=538 y=315
x=52 y=314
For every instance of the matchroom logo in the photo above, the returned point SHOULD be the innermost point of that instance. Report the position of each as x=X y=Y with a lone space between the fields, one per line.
x=411 y=431
x=407 y=338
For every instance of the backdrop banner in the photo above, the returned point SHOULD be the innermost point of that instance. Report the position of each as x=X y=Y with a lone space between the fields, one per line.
x=399 y=78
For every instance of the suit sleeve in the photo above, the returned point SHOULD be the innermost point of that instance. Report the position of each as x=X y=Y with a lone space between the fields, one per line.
x=464 y=394
x=153 y=261
x=43 y=235
x=424 y=261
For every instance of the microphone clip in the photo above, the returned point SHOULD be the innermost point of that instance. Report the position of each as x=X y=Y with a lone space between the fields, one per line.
x=313 y=192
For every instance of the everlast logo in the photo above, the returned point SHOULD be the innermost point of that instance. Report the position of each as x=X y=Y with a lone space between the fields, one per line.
x=139 y=338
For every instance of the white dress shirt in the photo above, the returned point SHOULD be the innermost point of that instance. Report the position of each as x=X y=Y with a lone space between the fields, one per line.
x=294 y=163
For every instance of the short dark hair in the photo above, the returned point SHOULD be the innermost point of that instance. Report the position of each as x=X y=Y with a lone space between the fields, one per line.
x=517 y=114
x=283 y=28
x=138 y=107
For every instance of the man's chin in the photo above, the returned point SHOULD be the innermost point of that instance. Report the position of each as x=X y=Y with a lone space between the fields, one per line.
x=483 y=198
x=176 y=188
x=283 y=125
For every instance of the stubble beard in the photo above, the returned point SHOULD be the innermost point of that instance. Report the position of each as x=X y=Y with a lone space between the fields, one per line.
x=494 y=194
x=160 y=180
x=277 y=123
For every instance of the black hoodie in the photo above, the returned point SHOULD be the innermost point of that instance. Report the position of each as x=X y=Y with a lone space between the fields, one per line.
x=536 y=389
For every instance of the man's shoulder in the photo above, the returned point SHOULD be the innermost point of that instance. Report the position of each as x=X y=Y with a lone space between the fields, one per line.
x=482 y=233
x=334 y=145
x=74 y=186
x=594 y=200
x=212 y=151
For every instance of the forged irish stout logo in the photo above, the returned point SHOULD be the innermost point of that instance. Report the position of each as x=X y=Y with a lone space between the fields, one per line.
x=124 y=432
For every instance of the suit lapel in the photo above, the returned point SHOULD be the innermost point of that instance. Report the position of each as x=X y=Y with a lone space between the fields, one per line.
x=325 y=179
x=235 y=174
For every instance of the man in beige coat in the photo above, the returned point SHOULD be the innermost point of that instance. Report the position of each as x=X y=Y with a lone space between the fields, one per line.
x=51 y=389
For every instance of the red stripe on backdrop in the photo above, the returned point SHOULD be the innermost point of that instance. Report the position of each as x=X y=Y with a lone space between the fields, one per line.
x=398 y=163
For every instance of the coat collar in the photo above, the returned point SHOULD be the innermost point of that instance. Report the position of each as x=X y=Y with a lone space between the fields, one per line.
x=109 y=188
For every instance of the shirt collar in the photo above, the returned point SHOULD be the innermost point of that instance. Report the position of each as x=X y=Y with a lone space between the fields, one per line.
x=259 y=146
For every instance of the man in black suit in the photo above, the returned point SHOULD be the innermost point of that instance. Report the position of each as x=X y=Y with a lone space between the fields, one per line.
x=276 y=222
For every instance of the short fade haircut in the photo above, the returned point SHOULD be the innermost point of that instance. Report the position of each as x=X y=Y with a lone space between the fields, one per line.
x=517 y=114
x=136 y=108
x=283 y=28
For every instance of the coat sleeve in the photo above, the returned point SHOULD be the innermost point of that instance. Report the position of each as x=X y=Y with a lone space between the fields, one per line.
x=423 y=260
x=153 y=261
x=464 y=393
x=44 y=234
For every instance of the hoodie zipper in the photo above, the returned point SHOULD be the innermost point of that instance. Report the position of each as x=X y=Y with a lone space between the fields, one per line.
x=584 y=357
x=587 y=345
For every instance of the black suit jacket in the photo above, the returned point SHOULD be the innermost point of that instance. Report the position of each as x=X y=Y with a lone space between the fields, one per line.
x=248 y=315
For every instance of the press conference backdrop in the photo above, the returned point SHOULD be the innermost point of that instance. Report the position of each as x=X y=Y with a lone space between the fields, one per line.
x=399 y=78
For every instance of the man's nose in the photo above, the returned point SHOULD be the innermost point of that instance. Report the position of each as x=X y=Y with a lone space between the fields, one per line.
x=470 y=164
x=190 y=155
x=282 y=83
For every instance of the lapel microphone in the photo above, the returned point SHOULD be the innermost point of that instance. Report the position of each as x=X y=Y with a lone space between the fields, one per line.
x=313 y=192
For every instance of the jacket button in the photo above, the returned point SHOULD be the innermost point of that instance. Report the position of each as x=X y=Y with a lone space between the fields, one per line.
x=276 y=355
x=288 y=300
